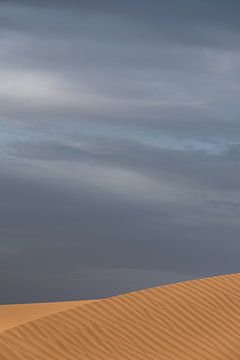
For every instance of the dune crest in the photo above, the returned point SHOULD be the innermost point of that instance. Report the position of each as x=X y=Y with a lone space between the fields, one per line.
x=193 y=320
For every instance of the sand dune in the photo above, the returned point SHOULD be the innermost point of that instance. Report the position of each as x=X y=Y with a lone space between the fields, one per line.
x=194 y=320
x=14 y=315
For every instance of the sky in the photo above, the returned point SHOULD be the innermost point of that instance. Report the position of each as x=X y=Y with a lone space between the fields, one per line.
x=119 y=145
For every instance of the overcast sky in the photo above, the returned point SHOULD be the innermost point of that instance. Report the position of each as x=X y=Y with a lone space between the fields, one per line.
x=119 y=145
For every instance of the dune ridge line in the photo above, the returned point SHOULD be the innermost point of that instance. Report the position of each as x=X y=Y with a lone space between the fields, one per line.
x=191 y=320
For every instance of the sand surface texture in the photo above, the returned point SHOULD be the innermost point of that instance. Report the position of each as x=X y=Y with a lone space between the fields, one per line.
x=186 y=321
x=14 y=315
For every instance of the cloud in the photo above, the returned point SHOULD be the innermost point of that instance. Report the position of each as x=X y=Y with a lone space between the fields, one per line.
x=119 y=140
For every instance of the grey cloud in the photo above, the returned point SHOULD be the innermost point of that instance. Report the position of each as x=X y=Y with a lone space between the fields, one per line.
x=124 y=224
x=229 y=205
x=62 y=229
x=119 y=145
x=233 y=153
x=189 y=167
x=51 y=152
x=137 y=78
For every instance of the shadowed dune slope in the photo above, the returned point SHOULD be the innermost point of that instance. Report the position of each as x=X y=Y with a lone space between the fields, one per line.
x=187 y=321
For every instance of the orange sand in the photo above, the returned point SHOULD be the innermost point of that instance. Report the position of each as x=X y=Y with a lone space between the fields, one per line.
x=194 y=320
x=14 y=315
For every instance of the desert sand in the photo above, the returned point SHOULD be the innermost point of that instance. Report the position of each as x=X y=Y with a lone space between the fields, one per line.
x=193 y=320
x=14 y=315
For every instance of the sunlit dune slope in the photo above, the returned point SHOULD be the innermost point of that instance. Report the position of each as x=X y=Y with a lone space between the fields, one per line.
x=14 y=315
x=187 y=321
